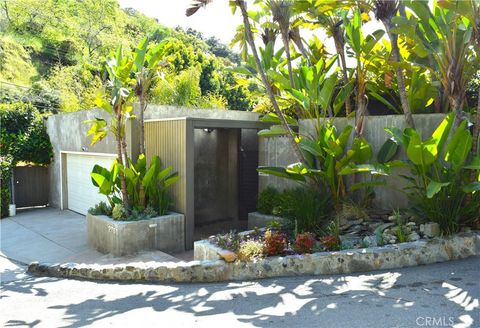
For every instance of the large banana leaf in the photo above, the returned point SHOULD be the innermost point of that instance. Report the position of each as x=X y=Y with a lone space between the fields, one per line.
x=459 y=146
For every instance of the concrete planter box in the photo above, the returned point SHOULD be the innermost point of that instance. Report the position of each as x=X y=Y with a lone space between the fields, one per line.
x=120 y=238
x=259 y=220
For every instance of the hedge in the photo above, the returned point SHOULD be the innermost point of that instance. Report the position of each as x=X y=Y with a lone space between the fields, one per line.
x=23 y=138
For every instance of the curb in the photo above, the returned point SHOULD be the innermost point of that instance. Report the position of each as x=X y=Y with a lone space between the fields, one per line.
x=396 y=256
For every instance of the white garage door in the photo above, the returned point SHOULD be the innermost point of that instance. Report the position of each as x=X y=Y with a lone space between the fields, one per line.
x=81 y=193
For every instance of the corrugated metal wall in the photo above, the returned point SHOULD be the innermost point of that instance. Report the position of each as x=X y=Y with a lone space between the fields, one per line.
x=172 y=141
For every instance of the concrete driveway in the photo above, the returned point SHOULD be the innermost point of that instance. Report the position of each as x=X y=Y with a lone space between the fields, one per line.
x=54 y=236
x=439 y=295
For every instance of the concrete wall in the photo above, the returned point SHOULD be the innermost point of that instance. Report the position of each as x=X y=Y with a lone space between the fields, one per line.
x=68 y=133
x=216 y=175
x=277 y=152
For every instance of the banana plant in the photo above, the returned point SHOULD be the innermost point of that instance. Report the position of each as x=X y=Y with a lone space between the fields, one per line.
x=441 y=172
x=147 y=62
x=107 y=182
x=329 y=159
x=445 y=35
x=115 y=100
x=316 y=91
x=145 y=185
x=361 y=49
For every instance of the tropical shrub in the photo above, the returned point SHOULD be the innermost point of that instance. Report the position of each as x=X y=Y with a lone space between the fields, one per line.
x=328 y=159
x=146 y=186
x=441 y=166
x=268 y=200
x=5 y=175
x=275 y=242
x=305 y=242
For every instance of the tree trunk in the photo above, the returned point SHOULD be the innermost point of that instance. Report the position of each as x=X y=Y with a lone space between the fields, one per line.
x=248 y=32
x=297 y=39
x=142 y=123
x=400 y=77
x=118 y=137
x=361 y=102
x=286 y=45
x=457 y=103
x=476 y=130
x=339 y=47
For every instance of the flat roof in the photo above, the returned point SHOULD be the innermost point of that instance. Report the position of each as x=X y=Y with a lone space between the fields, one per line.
x=200 y=122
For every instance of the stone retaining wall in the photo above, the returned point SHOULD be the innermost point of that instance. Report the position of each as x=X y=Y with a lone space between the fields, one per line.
x=347 y=261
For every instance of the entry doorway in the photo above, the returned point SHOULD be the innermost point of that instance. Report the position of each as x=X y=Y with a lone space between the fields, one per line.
x=226 y=180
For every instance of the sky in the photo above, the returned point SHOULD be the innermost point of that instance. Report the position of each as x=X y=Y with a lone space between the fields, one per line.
x=214 y=20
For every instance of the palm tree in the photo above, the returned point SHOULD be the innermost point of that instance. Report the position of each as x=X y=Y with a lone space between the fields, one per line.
x=385 y=10
x=473 y=14
x=241 y=4
x=282 y=14
x=296 y=38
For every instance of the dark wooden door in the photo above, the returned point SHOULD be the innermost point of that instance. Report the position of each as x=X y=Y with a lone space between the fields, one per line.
x=31 y=186
x=248 y=175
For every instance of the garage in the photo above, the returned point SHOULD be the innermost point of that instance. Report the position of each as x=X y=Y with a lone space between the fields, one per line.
x=81 y=193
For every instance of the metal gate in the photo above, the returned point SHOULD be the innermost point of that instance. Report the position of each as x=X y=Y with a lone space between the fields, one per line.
x=31 y=186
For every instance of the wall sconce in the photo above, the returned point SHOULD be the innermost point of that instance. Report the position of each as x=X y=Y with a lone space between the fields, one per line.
x=208 y=130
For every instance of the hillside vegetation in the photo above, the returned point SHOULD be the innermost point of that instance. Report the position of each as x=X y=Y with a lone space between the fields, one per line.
x=52 y=54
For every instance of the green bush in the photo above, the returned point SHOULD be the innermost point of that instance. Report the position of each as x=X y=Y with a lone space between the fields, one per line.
x=101 y=208
x=23 y=138
x=268 y=200
x=147 y=186
x=23 y=134
x=5 y=174
x=306 y=209
x=442 y=189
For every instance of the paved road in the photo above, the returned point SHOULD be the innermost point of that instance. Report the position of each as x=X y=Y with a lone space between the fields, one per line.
x=427 y=296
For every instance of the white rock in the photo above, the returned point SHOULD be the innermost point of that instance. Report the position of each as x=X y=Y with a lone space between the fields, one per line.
x=422 y=228
x=392 y=218
x=410 y=224
x=432 y=229
x=413 y=236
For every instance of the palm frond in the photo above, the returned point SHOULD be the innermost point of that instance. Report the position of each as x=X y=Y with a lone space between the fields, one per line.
x=385 y=9
x=196 y=6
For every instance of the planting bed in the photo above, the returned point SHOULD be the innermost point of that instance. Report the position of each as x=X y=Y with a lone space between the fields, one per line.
x=357 y=260
x=120 y=238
